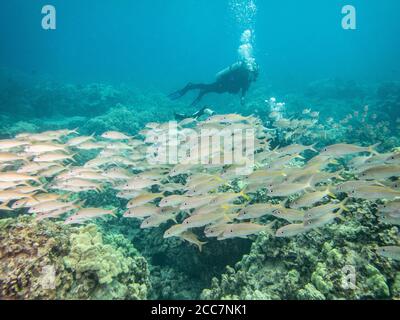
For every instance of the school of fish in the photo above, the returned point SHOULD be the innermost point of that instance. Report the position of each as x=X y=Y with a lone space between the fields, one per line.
x=39 y=174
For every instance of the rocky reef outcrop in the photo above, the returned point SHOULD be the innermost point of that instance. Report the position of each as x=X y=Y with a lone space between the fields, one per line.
x=336 y=262
x=49 y=260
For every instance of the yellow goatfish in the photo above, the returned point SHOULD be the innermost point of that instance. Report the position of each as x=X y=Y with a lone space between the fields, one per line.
x=343 y=149
x=191 y=237
x=243 y=230
x=115 y=135
x=16 y=177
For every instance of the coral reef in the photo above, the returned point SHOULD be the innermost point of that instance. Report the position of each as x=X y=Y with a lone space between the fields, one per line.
x=316 y=265
x=28 y=105
x=115 y=260
x=168 y=259
x=47 y=260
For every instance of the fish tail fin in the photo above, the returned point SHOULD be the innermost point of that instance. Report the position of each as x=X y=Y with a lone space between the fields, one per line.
x=75 y=131
x=283 y=203
x=92 y=136
x=250 y=116
x=299 y=156
x=269 y=226
x=174 y=215
x=36 y=179
x=31 y=196
x=230 y=217
x=339 y=177
x=41 y=188
x=200 y=245
x=161 y=193
x=276 y=149
x=79 y=204
x=227 y=184
x=71 y=157
x=330 y=193
x=343 y=205
x=244 y=195
x=113 y=213
x=310 y=184
x=372 y=148
x=65 y=196
x=312 y=147
x=25 y=159
x=339 y=215
x=219 y=179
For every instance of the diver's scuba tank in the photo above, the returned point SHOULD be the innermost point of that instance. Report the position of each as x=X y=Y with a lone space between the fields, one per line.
x=235 y=66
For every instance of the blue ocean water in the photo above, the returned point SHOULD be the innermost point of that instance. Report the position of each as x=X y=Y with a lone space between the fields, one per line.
x=109 y=67
x=164 y=43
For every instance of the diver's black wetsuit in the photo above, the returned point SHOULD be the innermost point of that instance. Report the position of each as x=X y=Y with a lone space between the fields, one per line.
x=233 y=79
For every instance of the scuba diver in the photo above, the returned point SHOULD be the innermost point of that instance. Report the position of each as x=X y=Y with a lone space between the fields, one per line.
x=233 y=79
